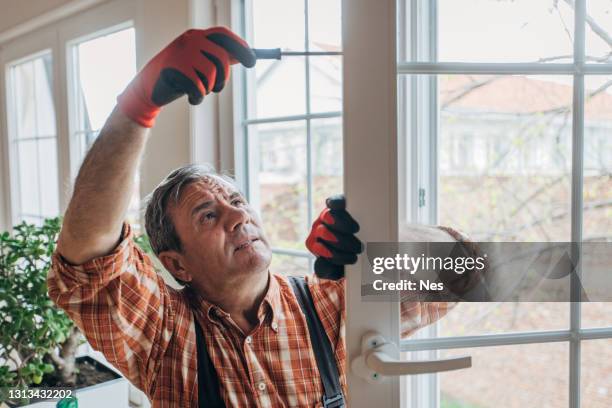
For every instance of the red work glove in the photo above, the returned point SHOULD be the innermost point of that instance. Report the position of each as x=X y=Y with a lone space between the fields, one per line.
x=332 y=239
x=195 y=63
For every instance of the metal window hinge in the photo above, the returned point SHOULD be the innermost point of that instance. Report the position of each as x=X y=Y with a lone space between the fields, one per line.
x=421 y=197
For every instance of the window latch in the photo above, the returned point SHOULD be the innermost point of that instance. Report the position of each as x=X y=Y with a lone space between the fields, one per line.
x=376 y=361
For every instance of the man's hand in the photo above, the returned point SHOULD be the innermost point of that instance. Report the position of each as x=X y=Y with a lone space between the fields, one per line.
x=195 y=63
x=332 y=239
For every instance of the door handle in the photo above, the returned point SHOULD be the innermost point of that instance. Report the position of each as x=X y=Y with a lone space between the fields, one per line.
x=375 y=361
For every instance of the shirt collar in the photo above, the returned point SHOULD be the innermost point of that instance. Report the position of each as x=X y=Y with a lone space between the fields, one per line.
x=270 y=305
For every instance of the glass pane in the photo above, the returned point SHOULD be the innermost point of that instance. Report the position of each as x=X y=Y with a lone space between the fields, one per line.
x=326 y=160
x=504 y=161
x=534 y=375
x=43 y=83
x=29 y=181
x=598 y=159
x=505 y=148
x=595 y=384
x=277 y=88
x=278 y=24
x=47 y=153
x=36 y=158
x=326 y=84
x=505 y=31
x=325 y=25
x=281 y=175
x=289 y=265
x=100 y=82
x=25 y=100
x=597 y=216
x=598 y=31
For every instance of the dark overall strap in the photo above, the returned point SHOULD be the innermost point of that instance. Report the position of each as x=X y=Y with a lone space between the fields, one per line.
x=326 y=362
x=209 y=395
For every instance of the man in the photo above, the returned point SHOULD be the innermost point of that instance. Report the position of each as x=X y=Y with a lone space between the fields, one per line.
x=246 y=321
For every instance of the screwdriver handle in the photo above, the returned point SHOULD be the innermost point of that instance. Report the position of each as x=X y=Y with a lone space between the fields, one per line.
x=267 y=53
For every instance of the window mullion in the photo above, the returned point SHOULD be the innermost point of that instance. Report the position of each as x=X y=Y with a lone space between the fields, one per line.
x=309 y=184
x=577 y=200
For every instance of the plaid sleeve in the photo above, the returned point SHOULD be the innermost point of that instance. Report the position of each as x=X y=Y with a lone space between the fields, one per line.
x=416 y=315
x=121 y=305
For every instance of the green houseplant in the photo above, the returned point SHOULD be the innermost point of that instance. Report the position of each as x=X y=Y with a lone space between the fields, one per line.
x=36 y=337
x=38 y=341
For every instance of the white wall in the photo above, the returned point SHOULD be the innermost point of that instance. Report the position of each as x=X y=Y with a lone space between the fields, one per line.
x=18 y=12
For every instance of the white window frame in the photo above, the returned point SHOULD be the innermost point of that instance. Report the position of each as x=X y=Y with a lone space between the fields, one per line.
x=425 y=391
x=25 y=49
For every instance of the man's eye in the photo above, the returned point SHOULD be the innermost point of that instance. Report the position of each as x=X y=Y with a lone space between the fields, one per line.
x=238 y=202
x=208 y=216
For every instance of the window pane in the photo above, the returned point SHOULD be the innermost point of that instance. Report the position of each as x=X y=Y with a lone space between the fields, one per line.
x=534 y=375
x=326 y=84
x=327 y=160
x=289 y=265
x=504 y=31
x=101 y=82
x=97 y=88
x=597 y=216
x=281 y=174
x=49 y=189
x=27 y=159
x=43 y=83
x=278 y=24
x=598 y=159
x=598 y=30
x=277 y=88
x=596 y=382
x=25 y=100
x=504 y=160
x=324 y=25
x=505 y=148
x=33 y=132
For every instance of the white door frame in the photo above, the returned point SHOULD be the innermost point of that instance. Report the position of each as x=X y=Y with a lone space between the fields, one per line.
x=370 y=172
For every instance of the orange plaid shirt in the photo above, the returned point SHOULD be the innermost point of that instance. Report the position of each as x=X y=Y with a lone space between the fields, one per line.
x=145 y=329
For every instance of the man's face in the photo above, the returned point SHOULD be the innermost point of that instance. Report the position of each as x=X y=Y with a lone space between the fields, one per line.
x=221 y=235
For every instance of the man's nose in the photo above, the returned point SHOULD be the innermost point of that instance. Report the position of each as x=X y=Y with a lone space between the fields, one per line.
x=236 y=217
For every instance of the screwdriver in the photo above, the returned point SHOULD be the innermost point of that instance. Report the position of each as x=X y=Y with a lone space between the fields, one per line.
x=267 y=53
x=277 y=54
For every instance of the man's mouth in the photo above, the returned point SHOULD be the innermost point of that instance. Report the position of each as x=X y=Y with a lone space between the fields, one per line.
x=246 y=244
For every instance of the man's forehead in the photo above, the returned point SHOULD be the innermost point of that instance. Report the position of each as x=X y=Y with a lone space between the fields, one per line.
x=209 y=187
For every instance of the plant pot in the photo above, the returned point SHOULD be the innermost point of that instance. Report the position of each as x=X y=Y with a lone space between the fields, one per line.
x=113 y=393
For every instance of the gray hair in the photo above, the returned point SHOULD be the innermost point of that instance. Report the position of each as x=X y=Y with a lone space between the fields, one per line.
x=158 y=223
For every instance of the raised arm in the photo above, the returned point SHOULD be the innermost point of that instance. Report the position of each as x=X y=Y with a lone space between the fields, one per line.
x=93 y=220
x=195 y=63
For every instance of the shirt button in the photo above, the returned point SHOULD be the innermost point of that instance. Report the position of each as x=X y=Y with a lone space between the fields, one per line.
x=248 y=339
x=274 y=325
x=261 y=386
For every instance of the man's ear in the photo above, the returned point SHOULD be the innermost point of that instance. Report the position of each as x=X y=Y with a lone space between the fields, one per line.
x=173 y=262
